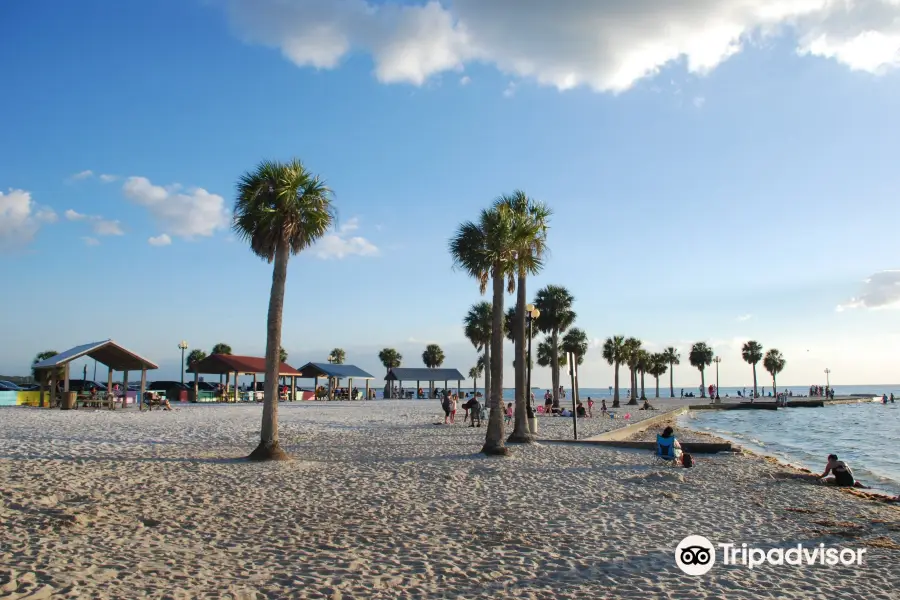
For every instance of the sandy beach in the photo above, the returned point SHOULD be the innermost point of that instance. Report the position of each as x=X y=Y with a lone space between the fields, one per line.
x=382 y=503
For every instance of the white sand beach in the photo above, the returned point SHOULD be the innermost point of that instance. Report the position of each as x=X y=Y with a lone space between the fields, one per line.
x=382 y=503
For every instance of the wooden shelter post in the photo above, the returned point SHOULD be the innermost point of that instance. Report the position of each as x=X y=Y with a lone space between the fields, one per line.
x=143 y=386
x=196 y=385
x=109 y=388
x=125 y=389
x=293 y=394
x=350 y=388
x=418 y=387
x=66 y=380
x=366 y=397
x=43 y=386
x=236 y=386
x=53 y=385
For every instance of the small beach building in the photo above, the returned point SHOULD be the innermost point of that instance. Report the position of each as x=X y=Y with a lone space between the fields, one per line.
x=231 y=364
x=335 y=373
x=401 y=374
x=108 y=353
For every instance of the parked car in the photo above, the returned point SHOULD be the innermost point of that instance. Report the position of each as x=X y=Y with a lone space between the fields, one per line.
x=82 y=385
x=8 y=386
x=30 y=387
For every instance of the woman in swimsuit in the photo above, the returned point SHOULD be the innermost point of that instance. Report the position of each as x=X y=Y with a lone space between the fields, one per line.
x=843 y=476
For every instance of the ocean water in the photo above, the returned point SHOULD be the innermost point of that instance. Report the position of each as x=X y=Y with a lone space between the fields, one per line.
x=864 y=435
x=650 y=390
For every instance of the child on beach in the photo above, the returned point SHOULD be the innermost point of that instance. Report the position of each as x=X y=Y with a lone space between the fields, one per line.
x=509 y=412
x=602 y=406
x=590 y=412
x=453 y=401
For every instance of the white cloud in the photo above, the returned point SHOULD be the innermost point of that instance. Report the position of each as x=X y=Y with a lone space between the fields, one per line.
x=99 y=225
x=82 y=175
x=510 y=90
x=465 y=80
x=699 y=102
x=184 y=213
x=881 y=290
x=746 y=317
x=160 y=240
x=606 y=45
x=341 y=244
x=21 y=218
x=90 y=241
x=105 y=178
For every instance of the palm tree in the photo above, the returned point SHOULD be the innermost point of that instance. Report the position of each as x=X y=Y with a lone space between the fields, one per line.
x=390 y=359
x=555 y=303
x=475 y=372
x=281 y=209
x=433 y=357
x=643 y=365
x=673 y=357
x=487 y=251
x=701 y=357
x=338 y=356
x=576 y=342
x=614 y=354
x=221 y=348
x=632 y=359
x=659 y=364
x=282 y=354
x=477 y=326
x=529 y=237
x=752 y=353
x=774 y=363
x=194 y=356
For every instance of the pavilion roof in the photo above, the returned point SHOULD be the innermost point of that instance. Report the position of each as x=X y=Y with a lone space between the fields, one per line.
x=106 y=352
x=222 y=364
x=422 y=374
x=310 y=370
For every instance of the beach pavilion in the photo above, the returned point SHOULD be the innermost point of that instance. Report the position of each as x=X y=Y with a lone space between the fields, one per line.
x=430 y=375
x=108 y=353
x=230 y=364
x=333 y=373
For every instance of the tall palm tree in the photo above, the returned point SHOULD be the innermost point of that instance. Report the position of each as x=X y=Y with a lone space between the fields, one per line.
x=477 y=326
x=433 y=357
x=752 y=353
x=659 y=364
x=530 y=220
x=475 y=372
x=673 y=357
x=338 y=356
x=576 y=342
x=643 y=365
x=487 y=251
x=390 y=359
x=632 y=359
x=774 y=363
x=555 y=303
x=701 y=357
x=281 y=209
x=614 y=354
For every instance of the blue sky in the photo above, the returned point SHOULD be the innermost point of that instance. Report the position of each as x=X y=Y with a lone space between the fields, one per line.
x=710 y=182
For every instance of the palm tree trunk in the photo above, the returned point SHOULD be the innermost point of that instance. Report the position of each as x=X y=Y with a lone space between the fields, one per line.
x=702 y=383
x=487 y=373
x=268 y=448
x=493 y=443
x=554 y=367
x=754 y=381
x=657 y=386
x=643 y=395
x=632 y=385
x=671 y=380
x=616 y=389
x=521 y=433
x=474 y=385
x=774 y=386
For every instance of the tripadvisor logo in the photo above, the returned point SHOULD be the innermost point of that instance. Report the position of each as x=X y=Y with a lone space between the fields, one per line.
x=696 y=555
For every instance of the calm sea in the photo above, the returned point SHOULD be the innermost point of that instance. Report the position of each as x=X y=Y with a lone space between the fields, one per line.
x=650 y=390
x=864 y=435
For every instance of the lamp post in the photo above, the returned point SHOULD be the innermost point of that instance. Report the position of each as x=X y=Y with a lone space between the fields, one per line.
x=184 y=346
x=330 y=380
x=531 y=313
x=717 y=360
x=827 y=381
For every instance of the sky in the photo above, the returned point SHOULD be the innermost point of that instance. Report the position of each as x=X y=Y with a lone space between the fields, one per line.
x=718 y=170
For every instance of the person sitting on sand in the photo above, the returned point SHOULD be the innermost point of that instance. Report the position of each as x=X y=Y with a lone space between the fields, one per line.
x=668 y=440
x=646 y=406
x=843 y=476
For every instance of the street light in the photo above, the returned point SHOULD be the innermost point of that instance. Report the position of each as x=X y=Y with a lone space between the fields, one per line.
x=184 y=346
x=531 y=313
x=717 y=360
